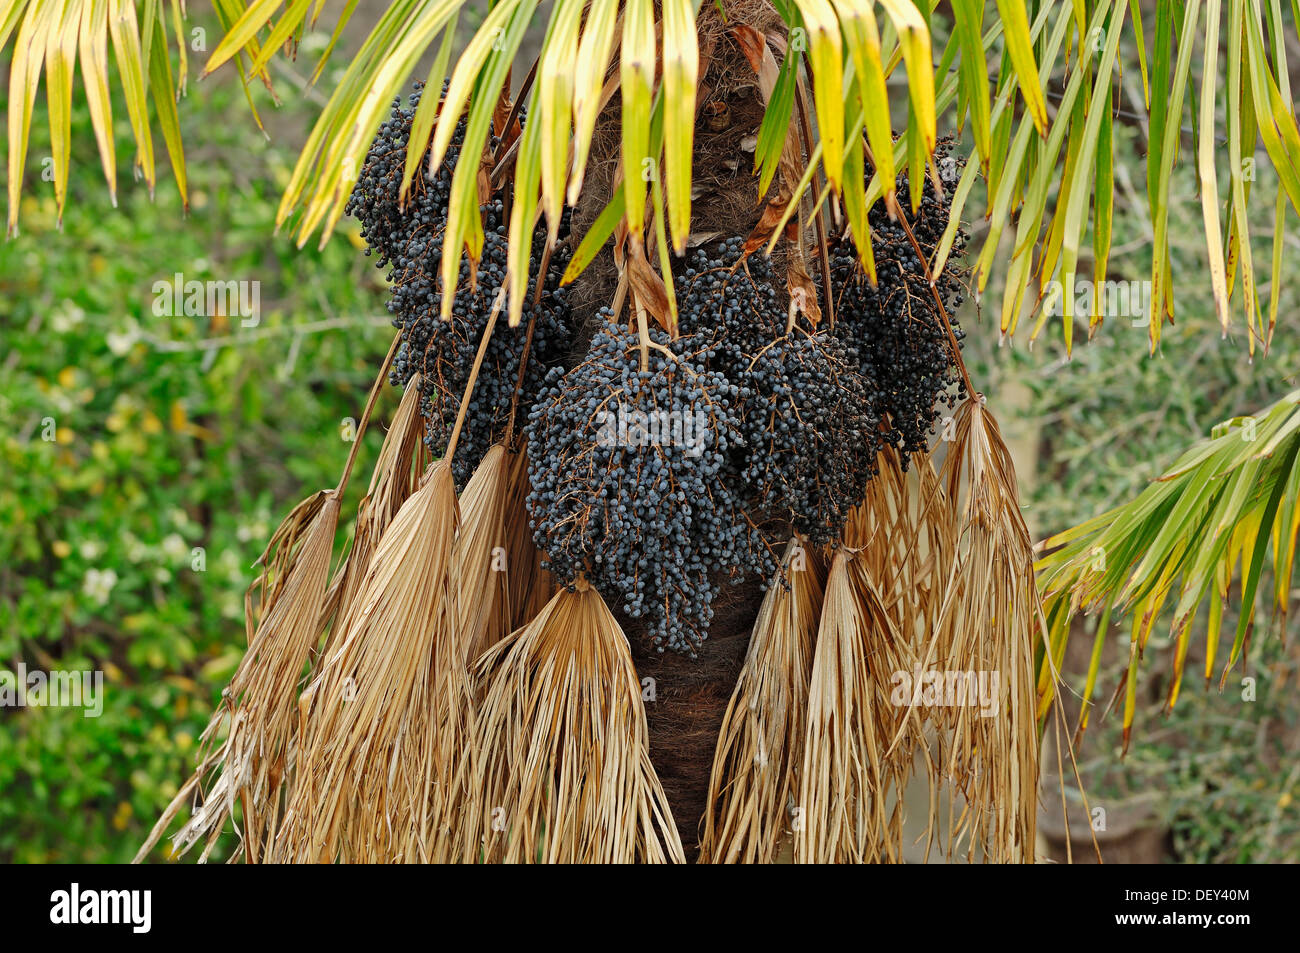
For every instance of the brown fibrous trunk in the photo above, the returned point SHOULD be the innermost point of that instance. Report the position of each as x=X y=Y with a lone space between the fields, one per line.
x=686 y=702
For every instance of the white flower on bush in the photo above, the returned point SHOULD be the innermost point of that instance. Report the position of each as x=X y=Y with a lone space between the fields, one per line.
x=91 y=550
x=181 y=521
x=229 y=566
x=232 y=606
x=64 y=402
x=247 y=532
x=98 y=584
x=135 y=550
x=66 y=317
x=121 y=342
x=175 y=548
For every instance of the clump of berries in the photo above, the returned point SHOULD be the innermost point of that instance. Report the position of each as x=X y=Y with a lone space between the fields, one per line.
x=408 y=239
x=661 y=464
x=896 y=328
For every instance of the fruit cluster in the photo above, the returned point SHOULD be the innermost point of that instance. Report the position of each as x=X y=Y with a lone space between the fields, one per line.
x=408 y=239
x=895 y=327
x=661 y=465
x=629 y=467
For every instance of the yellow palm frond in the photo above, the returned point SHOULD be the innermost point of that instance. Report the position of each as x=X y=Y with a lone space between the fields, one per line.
x=1041 y=87
x=1212 y=517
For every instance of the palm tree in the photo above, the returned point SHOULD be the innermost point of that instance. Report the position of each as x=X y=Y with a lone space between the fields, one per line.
x=479 y=730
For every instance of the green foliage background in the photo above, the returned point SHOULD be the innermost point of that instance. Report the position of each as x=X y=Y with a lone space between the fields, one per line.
x=170 y=433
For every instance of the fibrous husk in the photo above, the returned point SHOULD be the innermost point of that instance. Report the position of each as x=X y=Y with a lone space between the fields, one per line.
x=564 y=772
x=250 y=764
x=386 y=721
x=841 y=814
x=990 y=621
x=759 y=755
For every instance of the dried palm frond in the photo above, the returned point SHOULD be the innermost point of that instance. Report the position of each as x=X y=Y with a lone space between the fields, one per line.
x=565 y=774
x=386 y=721
x=482 y=573
x=250 y=764
x=253 y=765
x=531 y=586
x=846 y=775
x=902 y=533
x=947 y=559
x=760 y=746
x=990 y=622
x=396 y=476
x=481 y=563
x=498 y=567
x=901 y=539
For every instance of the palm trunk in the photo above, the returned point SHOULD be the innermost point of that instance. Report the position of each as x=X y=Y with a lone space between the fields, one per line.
x=686 y=701
x=687 y=698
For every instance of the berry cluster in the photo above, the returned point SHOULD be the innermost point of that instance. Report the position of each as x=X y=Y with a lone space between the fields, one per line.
x=895 y=328
x=655 y=470
x=409 y=240
x=386 y=225
x=628 y=469
x=812 y=433
x=809 y=422
x=443 y=352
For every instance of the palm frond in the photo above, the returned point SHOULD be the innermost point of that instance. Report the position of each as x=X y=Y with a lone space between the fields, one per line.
x=250 y=765
x=990 y=624
x=386 y=721
x=253 y=765
x=942 y=597
x=480 y=556
x=756 y=766
x=396 y=476
x=998 y=72
x=852 y=766
x=564 y=772
x=55 y=34
x=530 y=586
x=1201 y=531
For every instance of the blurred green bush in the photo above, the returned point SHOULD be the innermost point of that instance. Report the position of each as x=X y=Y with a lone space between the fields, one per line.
x=178 y=443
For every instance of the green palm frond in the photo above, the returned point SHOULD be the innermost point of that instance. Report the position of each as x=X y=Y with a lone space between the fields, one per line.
x=1224 y=516
x=1039 y=86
